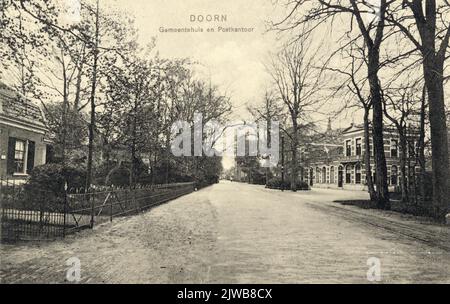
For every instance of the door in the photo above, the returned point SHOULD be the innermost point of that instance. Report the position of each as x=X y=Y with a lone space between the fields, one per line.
x=340 y=177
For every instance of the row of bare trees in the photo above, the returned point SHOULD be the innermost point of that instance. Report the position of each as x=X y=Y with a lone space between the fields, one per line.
x=390 y=57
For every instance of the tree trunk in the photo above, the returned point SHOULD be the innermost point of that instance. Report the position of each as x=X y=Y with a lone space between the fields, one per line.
x=439 y=140
x=378 y=141
x=133 y=158
x=64 y=114
x=133 y=141
x=403 y=157
x=76 y=103
x=268 y=139
x=93 y=89
x=433 y=68
x=294 y=161
x=367 y=166
x=421 y=156
x=167 y=159
x=153 y=168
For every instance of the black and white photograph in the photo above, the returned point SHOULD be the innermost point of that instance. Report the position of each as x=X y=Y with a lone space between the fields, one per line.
x=205 y=144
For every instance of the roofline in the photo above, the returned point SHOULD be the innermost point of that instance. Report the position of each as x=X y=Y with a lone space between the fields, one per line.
x=39 y=107
x=26 y=125
x=385 y=129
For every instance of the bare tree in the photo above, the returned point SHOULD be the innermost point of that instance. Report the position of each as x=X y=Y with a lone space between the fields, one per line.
x=372 y=33
x=92 y=98
x=426 y=24
x=356 y=86
x=268 y=111
x=297 y=79
x=399 y=104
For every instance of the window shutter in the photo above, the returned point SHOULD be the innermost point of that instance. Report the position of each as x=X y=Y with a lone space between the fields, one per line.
x=11 y=148
x=30 y=156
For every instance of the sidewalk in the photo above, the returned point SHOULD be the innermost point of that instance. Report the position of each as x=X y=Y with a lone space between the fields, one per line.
x=419 y=228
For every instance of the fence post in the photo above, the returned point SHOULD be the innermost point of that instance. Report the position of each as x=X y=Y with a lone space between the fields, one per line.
x=65 y=209
x=92 y=196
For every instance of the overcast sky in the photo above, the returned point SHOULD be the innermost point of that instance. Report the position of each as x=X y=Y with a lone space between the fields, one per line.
x=232 y=60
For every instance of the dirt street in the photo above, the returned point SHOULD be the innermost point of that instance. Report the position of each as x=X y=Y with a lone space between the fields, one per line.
x=239 y=233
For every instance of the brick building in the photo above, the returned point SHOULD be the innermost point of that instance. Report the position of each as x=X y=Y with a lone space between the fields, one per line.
x=22 y=135
x=339 y=163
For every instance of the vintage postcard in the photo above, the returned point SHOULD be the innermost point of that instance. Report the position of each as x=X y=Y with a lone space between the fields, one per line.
x=224 y=142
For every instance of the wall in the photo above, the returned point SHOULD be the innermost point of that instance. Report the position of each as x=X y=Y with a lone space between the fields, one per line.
x=8 y=131
x=342 y=159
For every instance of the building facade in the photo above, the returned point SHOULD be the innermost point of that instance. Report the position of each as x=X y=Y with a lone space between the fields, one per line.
x=23 y=143
x=340 y=164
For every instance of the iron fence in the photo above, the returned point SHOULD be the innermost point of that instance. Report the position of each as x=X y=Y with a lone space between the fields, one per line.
x=33 y=214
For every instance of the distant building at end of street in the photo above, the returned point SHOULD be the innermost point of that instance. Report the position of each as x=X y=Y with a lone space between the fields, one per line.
x=23 y=143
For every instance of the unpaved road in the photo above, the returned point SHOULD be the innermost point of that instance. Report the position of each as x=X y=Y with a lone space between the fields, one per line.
x=239 y=233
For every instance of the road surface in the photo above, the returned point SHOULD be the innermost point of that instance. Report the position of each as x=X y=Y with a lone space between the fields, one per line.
x=239 y=233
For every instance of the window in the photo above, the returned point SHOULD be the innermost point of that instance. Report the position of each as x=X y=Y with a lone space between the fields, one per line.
x=331 y=175
x=394 y=148
x=394 y=175
x=317 y=175
x=348 y=174
x=348 y=148
x=340 y=176
x=19 y=156
x=324 y=175
x=358 y=146
x=357 y=174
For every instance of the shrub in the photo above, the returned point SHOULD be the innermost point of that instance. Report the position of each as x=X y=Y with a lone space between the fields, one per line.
x=206 y=181
x=258 y=178
x=120 y=177
x=44 y=189
x=301 y=185
x=52 y=178
x=276 y=183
